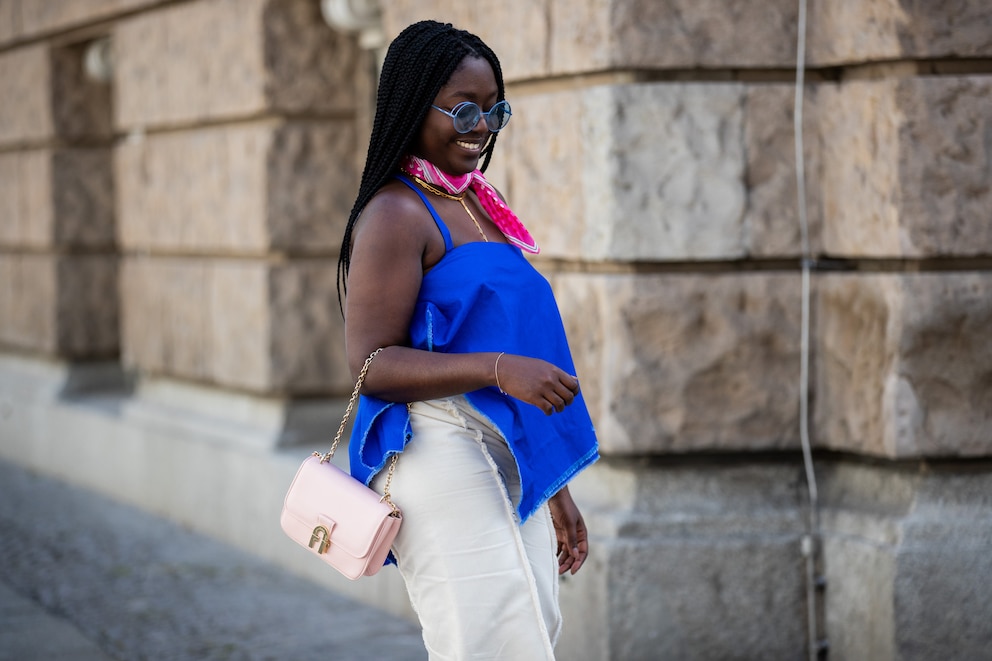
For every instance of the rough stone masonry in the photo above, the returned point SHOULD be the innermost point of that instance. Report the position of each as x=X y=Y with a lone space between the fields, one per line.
x=168 y=242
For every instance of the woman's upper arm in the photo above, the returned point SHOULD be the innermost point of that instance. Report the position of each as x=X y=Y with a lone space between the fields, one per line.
x=384 y=276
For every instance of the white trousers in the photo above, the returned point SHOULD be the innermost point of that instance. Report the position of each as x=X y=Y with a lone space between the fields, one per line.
x=483 y=586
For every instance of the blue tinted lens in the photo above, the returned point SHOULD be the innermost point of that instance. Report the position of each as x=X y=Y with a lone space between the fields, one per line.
x=498 y=116
x=465 y=116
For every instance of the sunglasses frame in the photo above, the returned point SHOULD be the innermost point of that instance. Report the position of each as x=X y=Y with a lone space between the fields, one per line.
x=487 y=114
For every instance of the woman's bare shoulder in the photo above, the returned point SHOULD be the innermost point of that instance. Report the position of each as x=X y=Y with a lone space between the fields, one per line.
x=395 y=210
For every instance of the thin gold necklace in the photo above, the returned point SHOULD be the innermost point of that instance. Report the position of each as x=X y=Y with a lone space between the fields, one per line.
x=431 y=188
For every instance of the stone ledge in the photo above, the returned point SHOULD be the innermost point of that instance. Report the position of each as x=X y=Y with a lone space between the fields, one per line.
x=50 y=381
x=240 y=420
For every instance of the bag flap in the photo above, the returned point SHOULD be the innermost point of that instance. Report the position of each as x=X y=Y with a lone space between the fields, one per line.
x=322 y=492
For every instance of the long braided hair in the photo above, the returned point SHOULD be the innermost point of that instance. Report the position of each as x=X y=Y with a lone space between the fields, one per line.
x=417 y=65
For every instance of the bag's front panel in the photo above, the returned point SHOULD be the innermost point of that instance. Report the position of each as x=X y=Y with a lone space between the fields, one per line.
x=338 y=518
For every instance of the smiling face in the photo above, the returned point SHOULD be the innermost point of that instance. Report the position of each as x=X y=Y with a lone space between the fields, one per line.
x=439 y=142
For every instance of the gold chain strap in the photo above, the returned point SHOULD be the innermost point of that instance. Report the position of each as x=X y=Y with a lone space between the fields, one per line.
x=347 y=414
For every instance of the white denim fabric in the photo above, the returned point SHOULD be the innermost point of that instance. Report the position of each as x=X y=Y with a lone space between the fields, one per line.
x=483 y=586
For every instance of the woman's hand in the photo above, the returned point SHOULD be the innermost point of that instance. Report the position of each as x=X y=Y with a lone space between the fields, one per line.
x=536 y=382
x=570 y=529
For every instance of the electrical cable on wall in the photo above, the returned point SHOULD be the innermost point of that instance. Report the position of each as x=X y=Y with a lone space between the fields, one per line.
x=811 y=540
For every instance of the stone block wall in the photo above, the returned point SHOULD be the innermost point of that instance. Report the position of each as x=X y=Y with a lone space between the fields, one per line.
x=184 y=219
x=58 y=290
x=184 y=216
x=652 y=152
x=234 y=176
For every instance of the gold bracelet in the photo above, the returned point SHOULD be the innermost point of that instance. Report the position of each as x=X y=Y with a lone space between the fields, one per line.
x=496 y=371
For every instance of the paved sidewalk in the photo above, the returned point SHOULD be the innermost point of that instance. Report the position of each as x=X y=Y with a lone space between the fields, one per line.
x=85 y=578
x=28 y=631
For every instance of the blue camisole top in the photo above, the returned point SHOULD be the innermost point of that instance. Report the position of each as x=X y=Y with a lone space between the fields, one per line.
x=483 y=297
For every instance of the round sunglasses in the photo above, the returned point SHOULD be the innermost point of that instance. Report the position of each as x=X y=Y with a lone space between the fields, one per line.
x=466 y=115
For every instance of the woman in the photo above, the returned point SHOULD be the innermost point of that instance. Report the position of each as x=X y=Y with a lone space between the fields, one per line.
x=474 y=385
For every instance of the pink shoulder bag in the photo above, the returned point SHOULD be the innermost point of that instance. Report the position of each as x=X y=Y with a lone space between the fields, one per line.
x=336 y=517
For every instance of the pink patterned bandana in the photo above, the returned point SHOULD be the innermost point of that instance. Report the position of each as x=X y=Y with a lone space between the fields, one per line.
x=505 y=220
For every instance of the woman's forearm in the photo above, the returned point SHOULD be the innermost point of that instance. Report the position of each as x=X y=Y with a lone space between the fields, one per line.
x=402 y=374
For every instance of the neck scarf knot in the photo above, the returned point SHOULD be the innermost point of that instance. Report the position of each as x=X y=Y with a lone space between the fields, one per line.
x=502 y=216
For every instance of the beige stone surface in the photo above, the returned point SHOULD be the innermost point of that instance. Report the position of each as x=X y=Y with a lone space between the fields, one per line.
x=904 y=364
x=28 y=290
x=60 y=197
x=658 y=172
x=310 y=185
x=39 y=16
x=843 y=31
x=771 y=225
x=87 y=310
x=683 y=363
x=187 y=62
x=26 y=200
x=544 y=161
x=83 y=197
x=10 y=19
x=650 y=172
x=539 y=38
x=591 y=35
x=309 y=67
x=54 y=97
x=229 y=58
x=80 y=105
x=196 y=190
x=10 y=198
x=240 y=329
x=59 y=305
x=905 y=167
x=243 y=324
x=165 y=324
x=243 y=188
x=25 y=75
x=677 y=171
x=306 y=337
x=536 y=38
x=518 y=31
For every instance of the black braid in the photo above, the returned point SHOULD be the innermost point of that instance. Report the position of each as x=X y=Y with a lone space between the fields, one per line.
x=417 y=65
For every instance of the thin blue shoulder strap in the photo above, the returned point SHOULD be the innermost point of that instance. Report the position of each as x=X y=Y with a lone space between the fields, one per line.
x=448 y=245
